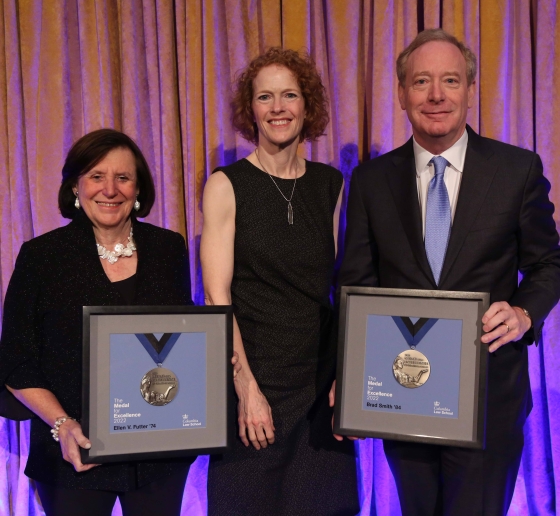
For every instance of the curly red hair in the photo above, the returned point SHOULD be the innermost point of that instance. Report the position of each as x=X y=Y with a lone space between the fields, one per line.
x=309 y=81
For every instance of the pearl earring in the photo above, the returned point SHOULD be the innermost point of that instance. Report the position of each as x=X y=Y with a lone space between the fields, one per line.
x=77 y=201
x=136 y=204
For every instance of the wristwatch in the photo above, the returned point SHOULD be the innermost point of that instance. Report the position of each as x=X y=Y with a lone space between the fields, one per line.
x=526 y=312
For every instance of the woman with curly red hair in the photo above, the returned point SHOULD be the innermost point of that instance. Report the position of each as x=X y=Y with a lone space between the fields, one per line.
x=268 y=247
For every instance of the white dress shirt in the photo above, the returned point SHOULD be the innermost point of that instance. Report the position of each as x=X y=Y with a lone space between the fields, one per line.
x=455 y=155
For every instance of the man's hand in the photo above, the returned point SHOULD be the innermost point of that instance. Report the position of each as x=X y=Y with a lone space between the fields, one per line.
x=331 y=404
x=503 y=323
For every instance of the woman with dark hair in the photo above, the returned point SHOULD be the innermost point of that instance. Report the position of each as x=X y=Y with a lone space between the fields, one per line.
x=105 y=256
x=268 y=247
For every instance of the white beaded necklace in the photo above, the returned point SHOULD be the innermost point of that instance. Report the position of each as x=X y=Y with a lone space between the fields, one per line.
x=120 y=250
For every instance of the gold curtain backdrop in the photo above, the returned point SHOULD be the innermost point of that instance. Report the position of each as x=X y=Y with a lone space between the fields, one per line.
x=161 y=71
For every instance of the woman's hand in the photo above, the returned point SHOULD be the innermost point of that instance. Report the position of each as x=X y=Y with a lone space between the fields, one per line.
x=254 y=415
x=44 y=403
x=235 y=363
x=332 y=400
x=71 y=439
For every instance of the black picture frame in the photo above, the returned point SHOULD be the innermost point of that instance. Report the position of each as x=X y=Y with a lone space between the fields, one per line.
x=99 y=323
x=467 y=429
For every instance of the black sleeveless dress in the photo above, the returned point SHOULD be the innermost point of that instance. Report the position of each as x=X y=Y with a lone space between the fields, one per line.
x=280 y=292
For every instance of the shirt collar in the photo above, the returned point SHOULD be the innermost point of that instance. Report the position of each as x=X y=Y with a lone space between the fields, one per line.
x=455 y=155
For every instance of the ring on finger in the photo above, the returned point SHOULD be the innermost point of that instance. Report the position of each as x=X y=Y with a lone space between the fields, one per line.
x=507 y=327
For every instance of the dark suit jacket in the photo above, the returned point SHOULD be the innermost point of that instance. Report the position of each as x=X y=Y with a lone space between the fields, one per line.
x=41 y=346
x=503 y=224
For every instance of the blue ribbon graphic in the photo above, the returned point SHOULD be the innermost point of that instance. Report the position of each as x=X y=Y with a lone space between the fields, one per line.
x=158 y=349
x=413 y=333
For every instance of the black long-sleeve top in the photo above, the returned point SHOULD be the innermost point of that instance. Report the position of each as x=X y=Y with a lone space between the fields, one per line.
x=41 y=344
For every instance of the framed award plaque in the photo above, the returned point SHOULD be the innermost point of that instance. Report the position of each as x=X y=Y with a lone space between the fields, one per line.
x=411 y=366
x=157 y=381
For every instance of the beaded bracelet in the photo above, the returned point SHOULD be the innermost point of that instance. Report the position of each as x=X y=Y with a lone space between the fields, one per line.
x=58 y=421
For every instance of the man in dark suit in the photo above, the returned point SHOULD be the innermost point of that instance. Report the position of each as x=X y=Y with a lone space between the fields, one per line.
x=468 y=220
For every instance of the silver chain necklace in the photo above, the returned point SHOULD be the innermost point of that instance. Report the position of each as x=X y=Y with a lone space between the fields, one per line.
x=120 y=250
x=289 y=201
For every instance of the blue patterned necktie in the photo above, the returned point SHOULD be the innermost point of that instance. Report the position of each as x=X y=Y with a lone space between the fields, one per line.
x=438 y=218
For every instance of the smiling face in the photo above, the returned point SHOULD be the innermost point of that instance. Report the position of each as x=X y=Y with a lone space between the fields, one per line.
x=278 y=106
x=436 y=95
x=107 y=192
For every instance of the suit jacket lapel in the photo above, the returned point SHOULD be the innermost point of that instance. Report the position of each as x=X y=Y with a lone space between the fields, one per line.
x=147 y=261
x=402 y=182
x=478 y=173
x=83 y=239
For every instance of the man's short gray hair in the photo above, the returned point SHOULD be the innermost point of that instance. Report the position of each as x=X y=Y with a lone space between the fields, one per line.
x=436 y=35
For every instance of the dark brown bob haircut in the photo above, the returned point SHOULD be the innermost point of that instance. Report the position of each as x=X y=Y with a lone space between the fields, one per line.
x=309 y=81
x=87 y=152
x=436 y=35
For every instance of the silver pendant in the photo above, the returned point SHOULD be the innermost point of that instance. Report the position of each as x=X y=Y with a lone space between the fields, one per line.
x=411 y=369
x=290 y=213
x=159 y=386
